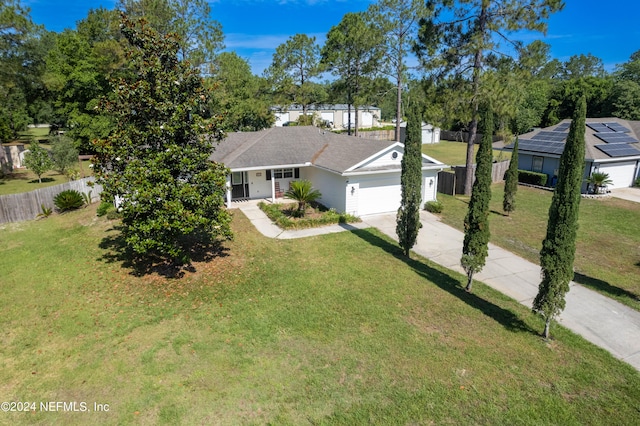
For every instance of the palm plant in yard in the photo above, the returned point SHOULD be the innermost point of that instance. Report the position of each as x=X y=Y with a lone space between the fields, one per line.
x=302 y=192
x=599 y=181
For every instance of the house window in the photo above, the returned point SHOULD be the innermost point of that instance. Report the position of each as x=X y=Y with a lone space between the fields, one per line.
x=282 y=173
x=536 y=165
x=236 y=178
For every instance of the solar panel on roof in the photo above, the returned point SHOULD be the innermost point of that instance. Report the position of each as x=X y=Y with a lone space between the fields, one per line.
x=599 y=127
x=616 y=137
x=548 y=147
x=562 y=127
x=550 y=136
x=619 y=150
x=617 y=127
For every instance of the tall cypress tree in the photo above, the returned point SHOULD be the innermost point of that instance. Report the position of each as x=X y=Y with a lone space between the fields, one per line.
x=559 y=246
x=511 y=182
x=408 y=220
x=476 y=224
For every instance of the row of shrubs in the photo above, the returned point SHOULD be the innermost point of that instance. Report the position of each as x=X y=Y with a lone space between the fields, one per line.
x=532 y=178
x=329 y=217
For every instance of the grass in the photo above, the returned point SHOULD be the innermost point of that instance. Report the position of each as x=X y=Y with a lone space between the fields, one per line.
x=455 y=153
x=24 y=180
x=39 y=133
x=335 y=329
x=608 y=244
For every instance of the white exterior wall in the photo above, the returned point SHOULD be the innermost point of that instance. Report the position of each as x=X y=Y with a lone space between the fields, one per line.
x=259 y=186
x=430 y=134
x=352 y=192
x=330 y=185
x=436 y=135
x=429 y=186
x=337 y=117
x=358 y=195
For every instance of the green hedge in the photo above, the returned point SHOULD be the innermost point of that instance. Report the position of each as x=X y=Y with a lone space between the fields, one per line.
x=532 y=178
x=433 y=206
x=329 y=217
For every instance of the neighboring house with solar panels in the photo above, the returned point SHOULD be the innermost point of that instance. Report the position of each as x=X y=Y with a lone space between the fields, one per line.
x=612 y=147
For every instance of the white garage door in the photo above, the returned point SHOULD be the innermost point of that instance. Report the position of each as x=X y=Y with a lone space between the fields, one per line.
x=620 y=173
x=367 y=119
x=327 y=117
x=348 y=117
x=281 y=118
x=379 y=195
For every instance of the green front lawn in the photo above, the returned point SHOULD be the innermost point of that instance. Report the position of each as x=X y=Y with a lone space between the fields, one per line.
x=608 y=246
x=335 y=329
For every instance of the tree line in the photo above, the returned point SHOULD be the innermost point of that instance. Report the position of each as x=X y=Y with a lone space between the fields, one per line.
x=58 y=78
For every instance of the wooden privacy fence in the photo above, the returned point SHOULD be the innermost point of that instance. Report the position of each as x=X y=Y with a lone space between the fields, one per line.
x=447 y=183
x=26 y=206
x=452 y=183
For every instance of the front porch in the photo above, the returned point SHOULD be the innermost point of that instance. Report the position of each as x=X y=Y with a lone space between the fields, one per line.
x=247 y=202
x=265 y=184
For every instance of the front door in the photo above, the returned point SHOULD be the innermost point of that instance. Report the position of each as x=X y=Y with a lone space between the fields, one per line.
x=239 y=185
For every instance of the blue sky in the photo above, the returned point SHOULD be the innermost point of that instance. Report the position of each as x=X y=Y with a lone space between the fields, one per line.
x=253 y=28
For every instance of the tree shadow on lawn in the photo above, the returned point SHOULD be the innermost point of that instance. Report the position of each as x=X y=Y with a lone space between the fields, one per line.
x=450 y=284
x=466 y=201
x=201 y=248
x=604 y=286
x=44 y=179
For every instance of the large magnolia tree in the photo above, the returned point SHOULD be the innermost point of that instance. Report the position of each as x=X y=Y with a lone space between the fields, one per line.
x=156 y=159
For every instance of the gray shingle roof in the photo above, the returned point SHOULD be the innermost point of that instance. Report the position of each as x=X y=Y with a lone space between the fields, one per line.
x=295 y=146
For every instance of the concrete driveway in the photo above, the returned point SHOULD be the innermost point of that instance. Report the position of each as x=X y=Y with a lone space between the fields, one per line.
x=630 y=194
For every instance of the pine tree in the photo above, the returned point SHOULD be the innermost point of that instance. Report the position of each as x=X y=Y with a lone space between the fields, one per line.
x=476 y=224
x=408 y=220
x=157 y=158
x=511 y=182
x=559 y=246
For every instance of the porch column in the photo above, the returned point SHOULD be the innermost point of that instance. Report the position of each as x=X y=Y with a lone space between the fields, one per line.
x=228 y=186
x=273 y=187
